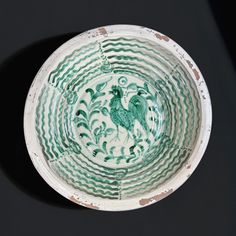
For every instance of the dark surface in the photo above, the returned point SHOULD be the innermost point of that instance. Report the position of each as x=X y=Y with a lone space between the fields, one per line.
x=224 y=13
x=28 y=179
x=204 y=205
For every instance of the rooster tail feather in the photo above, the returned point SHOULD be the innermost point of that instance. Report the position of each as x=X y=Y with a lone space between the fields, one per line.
x=144 y=125
x=138 y=107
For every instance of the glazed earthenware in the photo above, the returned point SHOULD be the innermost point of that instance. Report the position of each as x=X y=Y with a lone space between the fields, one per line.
x=117 y=118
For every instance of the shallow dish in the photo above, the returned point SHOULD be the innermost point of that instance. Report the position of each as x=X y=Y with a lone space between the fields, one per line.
x=117 y=118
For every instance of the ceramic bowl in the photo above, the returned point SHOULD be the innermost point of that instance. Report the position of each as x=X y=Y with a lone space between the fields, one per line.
x=117 y=118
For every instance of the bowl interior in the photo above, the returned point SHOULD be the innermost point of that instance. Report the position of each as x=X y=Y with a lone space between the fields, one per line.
x=117 y=117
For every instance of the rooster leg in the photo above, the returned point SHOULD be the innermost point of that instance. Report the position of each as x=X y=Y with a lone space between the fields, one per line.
x=117 y=134
x=116 y=138
x=128 y=137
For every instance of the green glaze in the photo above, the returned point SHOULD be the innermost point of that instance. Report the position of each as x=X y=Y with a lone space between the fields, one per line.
x=118 y=117
x=99 y=135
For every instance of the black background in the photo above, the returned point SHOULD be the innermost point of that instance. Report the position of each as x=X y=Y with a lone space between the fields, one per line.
x=31 y=30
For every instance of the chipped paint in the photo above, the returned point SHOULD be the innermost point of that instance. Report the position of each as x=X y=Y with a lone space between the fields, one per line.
x=162 y=37
x=102 y=31
x=145 y=201
x=196 y=73
x=201 y=83
x=197 y=76
x=189 y=64
x=77 y=201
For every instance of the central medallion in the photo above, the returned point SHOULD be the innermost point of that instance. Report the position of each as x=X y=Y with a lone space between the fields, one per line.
x=117 y=121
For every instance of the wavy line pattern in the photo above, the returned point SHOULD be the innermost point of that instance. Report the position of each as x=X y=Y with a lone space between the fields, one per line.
x=175 y=118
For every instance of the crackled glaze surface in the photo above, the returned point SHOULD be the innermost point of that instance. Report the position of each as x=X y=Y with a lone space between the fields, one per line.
x=117 y=118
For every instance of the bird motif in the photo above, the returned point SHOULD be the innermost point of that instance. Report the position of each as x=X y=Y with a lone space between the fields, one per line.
x=137 y=110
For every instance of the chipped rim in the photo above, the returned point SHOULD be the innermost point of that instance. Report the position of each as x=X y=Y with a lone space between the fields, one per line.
x=163 y=190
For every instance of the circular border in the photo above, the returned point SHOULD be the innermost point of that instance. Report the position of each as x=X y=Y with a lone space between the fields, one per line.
x=163 y=190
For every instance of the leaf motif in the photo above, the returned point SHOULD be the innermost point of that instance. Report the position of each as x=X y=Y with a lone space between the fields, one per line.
x=96 y=151
x=96 y=95
x=83 y=113
x=104 y=146
x=141 y=147
x=84 y=102
x=101 y=86
x=93 y=112
x=80 y=119
x=130 y=158
x=132 y=86
x=145 y=86
x=112 y=150
x=96 y=131
x=104 y=125
x=83 y=125
x=105 y=111
x=107 y=158
x=84 y=135
x=90 y=91
x=90 y=144
x=118 y=160
x=93 y=122
x=97 y=134
x=109 y=131
x=96 y=105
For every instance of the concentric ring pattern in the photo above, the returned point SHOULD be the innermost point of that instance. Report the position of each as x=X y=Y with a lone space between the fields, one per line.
x=79 y=114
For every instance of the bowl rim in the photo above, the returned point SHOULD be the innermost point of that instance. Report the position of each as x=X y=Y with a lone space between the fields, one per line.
x=163 y=190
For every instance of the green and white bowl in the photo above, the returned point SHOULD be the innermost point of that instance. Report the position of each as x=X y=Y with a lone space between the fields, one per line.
x=117 y=118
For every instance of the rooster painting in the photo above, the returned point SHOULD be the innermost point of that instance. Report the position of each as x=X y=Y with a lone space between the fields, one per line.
x=137 y=110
